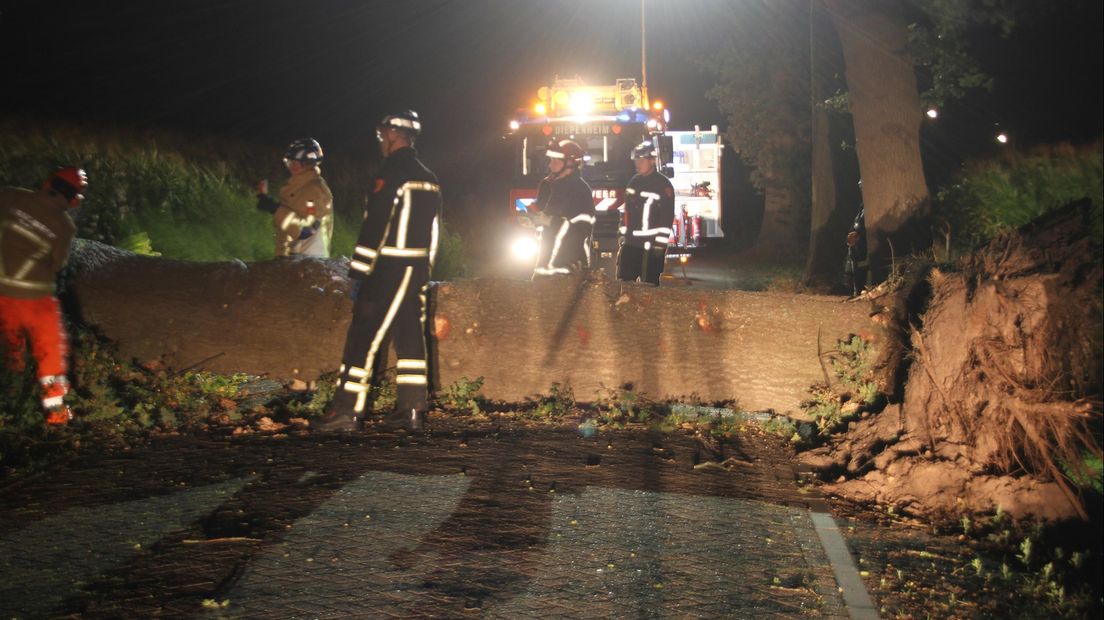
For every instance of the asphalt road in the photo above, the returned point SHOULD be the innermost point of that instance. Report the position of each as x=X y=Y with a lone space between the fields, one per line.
x=473 y=520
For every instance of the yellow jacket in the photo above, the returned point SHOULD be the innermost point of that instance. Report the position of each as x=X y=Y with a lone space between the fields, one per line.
x=304 y=200
x=35 y=232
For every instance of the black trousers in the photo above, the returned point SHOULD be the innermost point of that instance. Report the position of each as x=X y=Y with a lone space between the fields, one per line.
x=391 y=303
x=633 y=262
x=570 y=247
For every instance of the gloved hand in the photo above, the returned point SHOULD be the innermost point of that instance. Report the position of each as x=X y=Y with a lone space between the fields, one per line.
x=308 y=231
x=266 y=203
x=354 y=289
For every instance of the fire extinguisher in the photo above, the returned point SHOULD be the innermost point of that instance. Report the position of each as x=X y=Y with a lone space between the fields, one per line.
x=684 y=228
x=676 y=228
x=696 y=229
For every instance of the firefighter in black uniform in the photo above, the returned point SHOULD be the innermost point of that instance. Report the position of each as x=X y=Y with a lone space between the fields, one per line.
x=390 y=272
x=570 y=210
x=857 y=267
x=544 y=188
x=649 y=214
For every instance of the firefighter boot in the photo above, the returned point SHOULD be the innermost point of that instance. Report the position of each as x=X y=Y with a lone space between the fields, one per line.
x=54 y=389
x=59 y=416
x=411 y=420
x=340 y=415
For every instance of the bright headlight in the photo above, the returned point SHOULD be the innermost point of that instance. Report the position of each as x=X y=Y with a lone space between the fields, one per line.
x=524 y=248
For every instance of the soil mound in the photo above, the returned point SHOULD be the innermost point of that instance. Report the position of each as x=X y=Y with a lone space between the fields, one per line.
x=1001 y=401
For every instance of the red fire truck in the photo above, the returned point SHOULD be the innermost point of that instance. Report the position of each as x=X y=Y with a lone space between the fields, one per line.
x=607 y=121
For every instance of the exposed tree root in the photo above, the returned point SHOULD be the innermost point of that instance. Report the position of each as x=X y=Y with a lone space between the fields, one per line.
x=1001 y=403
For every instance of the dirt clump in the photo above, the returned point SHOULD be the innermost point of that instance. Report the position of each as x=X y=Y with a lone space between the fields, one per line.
x=1000 y=399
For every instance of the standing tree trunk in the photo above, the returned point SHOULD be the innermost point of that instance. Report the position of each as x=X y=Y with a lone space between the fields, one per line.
x=825 y=258
x=829 y=218
x=777 y=239
x=886 y=110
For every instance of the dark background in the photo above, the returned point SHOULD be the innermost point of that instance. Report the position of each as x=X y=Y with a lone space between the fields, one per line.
x=271 y=71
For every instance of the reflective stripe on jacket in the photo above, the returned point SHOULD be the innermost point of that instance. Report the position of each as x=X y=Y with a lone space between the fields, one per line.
x=305 y=200
x=402 y=218
x=35 y=233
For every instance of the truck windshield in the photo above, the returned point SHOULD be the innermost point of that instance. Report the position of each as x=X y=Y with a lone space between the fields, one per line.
x=608 y=149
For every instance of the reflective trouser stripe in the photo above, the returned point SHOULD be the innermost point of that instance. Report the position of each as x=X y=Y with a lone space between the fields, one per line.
x=411 y=380
x=408 y=364
x=404 y=252
x=559 y=239
x=362 y=394
x=54 y=389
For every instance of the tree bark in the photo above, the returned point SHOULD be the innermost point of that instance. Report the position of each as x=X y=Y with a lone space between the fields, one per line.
x=822 y=266
x=287 y=319
x=887 y=113
x=777 y=237
x=825 y=258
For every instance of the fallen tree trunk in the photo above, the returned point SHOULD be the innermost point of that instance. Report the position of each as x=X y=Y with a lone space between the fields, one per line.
x=287 y=319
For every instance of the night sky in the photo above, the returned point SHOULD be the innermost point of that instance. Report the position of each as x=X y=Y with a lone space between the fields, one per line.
x=270 y=71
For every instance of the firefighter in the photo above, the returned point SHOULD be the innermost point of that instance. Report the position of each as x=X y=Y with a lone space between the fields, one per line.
x=570 y=212
x=649 y=213
x=302 y=219
x=390 y=271
x=544 y=189
x=857 y=267
x=35 y=233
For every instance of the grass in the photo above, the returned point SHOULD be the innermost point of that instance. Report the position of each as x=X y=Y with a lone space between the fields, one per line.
x=183 y=197
x=116 y=403
x=464 y=395
x=993 y=196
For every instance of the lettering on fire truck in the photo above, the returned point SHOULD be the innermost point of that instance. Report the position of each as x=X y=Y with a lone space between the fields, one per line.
x=582 y=130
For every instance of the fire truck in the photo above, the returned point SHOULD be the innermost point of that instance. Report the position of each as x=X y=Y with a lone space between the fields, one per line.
x=696 y=164
x=607 y=121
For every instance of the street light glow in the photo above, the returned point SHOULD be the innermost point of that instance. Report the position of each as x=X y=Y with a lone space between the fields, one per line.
x=1002 y=138
x=933 y=113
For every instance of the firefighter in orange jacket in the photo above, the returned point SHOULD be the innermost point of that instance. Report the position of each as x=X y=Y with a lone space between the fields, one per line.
x=302 y=219
x=390 y=270
x=570 y=210
x=35 y=233
x=649 y=213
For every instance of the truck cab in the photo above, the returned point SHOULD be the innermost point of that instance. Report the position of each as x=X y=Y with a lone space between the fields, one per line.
x=607 y=121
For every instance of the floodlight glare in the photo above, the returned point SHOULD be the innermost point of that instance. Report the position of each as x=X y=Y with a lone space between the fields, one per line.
x=581 y=103
x=524 y=248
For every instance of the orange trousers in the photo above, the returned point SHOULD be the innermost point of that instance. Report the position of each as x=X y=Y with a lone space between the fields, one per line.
x=39 y=322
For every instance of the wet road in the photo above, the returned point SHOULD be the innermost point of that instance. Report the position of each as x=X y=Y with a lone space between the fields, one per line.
x=473 y=520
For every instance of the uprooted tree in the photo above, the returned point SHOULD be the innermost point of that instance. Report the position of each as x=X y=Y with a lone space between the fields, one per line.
x=1000 y=407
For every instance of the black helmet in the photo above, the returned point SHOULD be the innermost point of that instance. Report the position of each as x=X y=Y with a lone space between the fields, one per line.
x=569 y=151
x=406 y=120
x=645 y=149
x=306 y=150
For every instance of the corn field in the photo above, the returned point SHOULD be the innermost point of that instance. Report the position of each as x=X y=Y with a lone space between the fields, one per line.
x=185 y=197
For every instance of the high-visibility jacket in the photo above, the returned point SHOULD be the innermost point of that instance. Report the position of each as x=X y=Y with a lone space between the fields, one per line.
x=649 y=211
x=306 y=203
x=35 y=233
x=571 y=211
x=402 y=218
x=393 y=257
